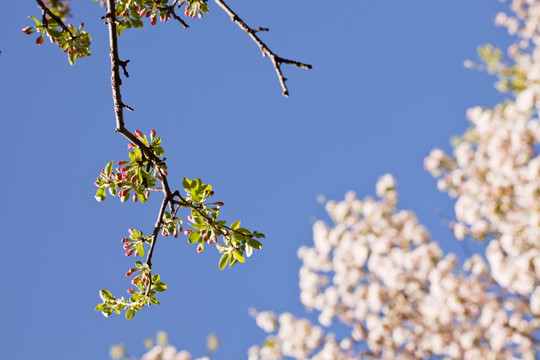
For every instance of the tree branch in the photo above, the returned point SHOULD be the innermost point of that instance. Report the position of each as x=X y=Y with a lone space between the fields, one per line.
x=276 y=60
x=55 y=17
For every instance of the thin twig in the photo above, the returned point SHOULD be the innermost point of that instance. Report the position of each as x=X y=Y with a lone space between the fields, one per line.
x=170 y=12
x=276 y=60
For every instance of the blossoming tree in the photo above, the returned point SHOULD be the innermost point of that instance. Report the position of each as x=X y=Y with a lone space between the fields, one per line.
x=377 y=271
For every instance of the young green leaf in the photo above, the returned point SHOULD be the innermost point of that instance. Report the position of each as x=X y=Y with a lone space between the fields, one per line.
x=223 y=261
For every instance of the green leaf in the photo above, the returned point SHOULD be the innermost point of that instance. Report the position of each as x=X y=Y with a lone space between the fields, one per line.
x=100 y=194
x=255 y=244
x=235 y=225
x=194 y=237
x=112 y=190
x=160 y=287
x=130 y=314
x=238 y=256
x=244 y=231
x=222 y=248
x=54 y=33
x=99 y=307
x=36 y=20
x=186 y=183
x=140 y=249
x=105 y=295
x=223 y=261
x=195 y=184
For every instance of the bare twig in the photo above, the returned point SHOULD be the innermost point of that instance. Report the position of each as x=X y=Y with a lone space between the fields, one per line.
x=276 y=60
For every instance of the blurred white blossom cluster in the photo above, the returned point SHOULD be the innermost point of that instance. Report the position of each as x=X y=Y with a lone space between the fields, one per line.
x=495 y=170
x=376 y=271
x=162 y=350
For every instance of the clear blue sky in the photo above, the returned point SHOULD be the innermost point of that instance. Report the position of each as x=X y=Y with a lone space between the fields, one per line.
x=387 y=86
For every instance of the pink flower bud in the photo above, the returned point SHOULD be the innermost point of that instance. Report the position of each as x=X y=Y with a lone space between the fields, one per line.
x=137 y=133
x=127 y=246
x=135 y=281
x=124 y=240
x=153 y=133
x=135 y=198
x=136 y=253
x=124 y=169
x=131 y=271
x=142 y=12
x=39 y=40
x=131 y=146
x=199 y=249
x=187 y=232
x=82 y=24
x=190 y=218
x=153 y=20
x=132 y=180
x=28 y=30
x=123 y=162
x=118 y=176
x=130 y=231
x=128 y=253
x=130 y=291
x=102 y=173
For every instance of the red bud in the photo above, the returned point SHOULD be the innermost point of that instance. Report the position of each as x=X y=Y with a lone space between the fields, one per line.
x=187 y=232
x=39 y=40
x=153 y=133
x=28 y=30
x=131 y=146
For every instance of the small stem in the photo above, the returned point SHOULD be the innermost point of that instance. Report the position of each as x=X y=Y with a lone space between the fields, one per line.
x=276 y=60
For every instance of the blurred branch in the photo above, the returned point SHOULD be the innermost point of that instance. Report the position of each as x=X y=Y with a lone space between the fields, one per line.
x=276 y=60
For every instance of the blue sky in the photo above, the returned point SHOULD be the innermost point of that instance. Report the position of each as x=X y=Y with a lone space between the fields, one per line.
x=387 y=85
